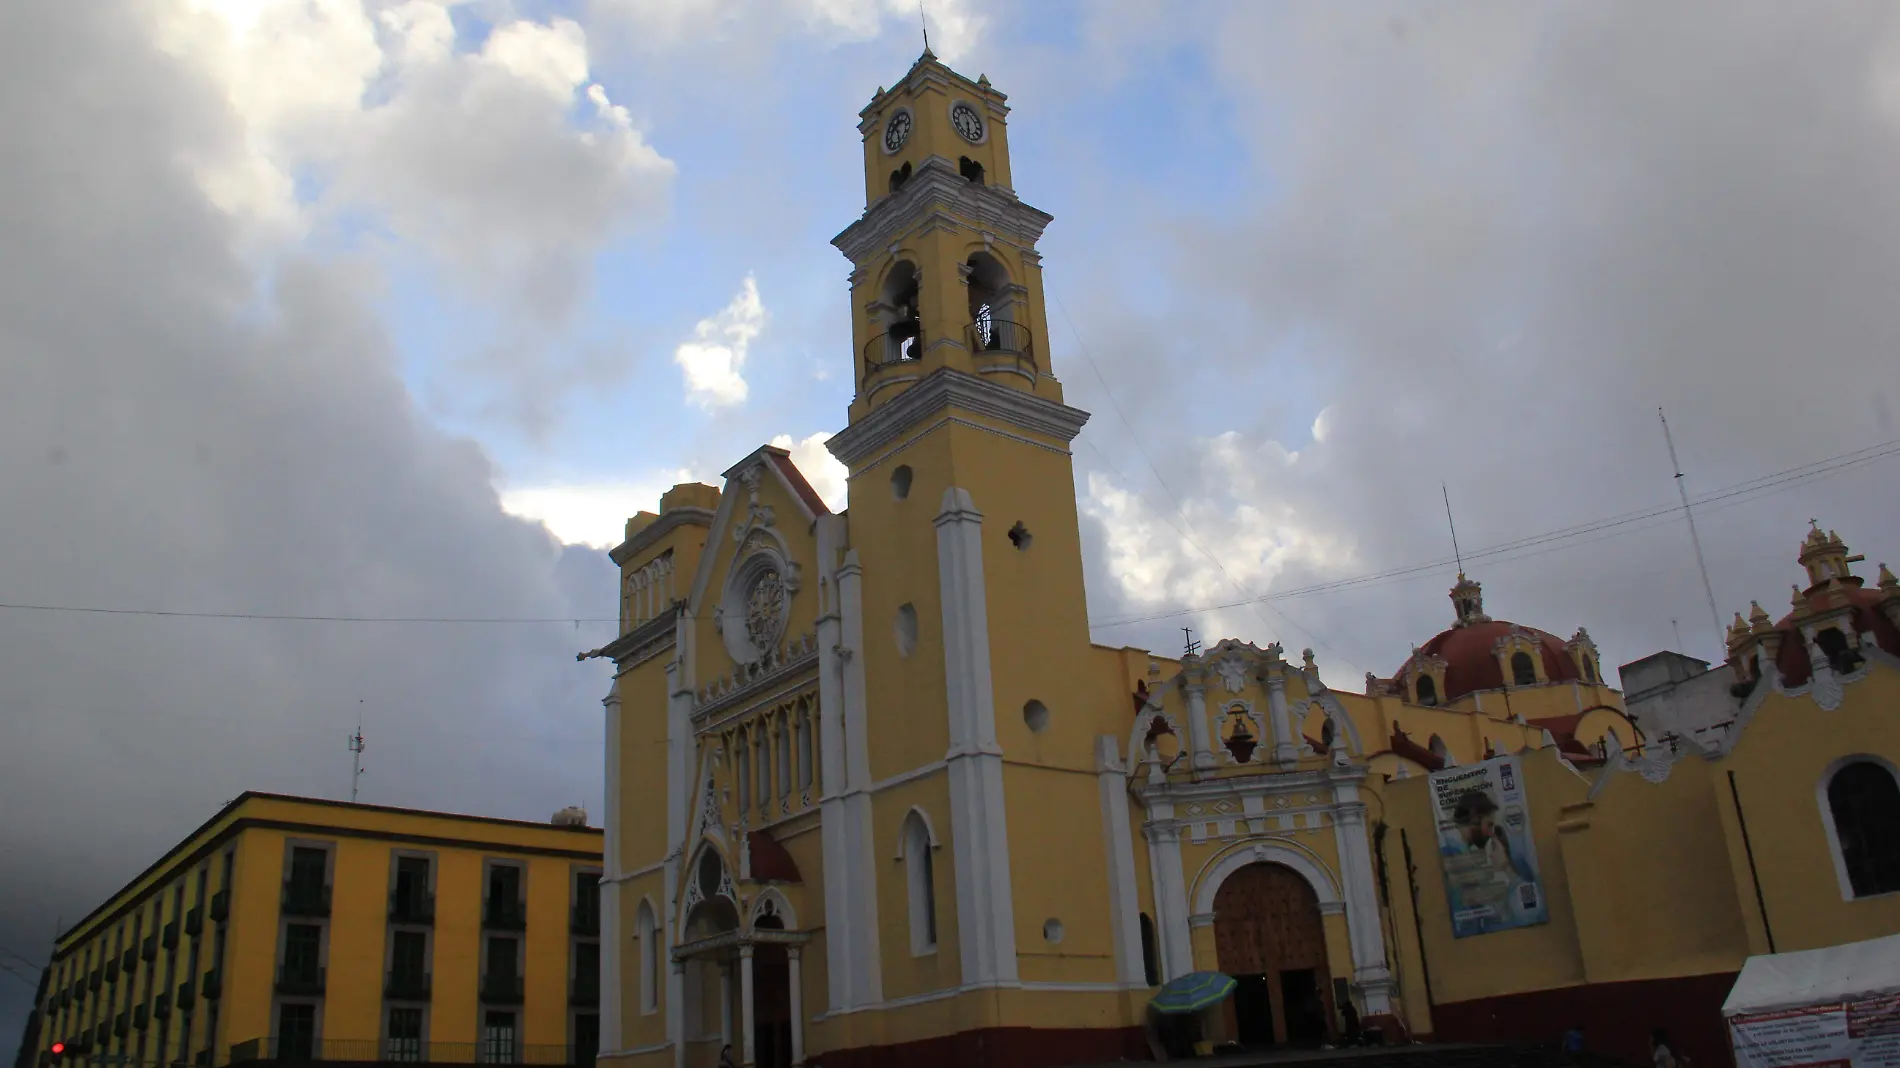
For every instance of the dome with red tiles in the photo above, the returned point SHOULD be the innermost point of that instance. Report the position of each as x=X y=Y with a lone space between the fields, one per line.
x=1474 y=651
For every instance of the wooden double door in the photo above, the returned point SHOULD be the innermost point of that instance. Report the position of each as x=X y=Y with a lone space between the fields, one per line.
x=1268 y=935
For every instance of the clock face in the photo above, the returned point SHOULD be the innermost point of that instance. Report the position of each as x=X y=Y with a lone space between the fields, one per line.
x=897 y=131
x=967 y=122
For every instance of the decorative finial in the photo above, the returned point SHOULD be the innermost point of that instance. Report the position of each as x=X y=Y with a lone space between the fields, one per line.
x=1756 y=613
x=1887 y=581
x=983 y=80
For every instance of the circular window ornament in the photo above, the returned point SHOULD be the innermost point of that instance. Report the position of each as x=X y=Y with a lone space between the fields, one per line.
x=764 y=609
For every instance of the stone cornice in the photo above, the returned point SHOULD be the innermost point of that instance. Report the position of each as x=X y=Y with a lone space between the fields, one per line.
x=944 y=389
x=936 y=182
x=642 y=642
x=658 y=529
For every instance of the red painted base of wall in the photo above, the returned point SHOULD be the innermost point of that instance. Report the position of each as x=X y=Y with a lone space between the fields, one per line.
x=999 y=1047
x=1616 y=1017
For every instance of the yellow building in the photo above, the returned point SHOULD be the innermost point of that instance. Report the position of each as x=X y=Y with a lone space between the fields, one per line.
x=300 y=929
x=872 y=791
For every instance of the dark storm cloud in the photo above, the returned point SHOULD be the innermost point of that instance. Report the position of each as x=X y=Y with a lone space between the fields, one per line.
x=1495 y=238
x=175 y=436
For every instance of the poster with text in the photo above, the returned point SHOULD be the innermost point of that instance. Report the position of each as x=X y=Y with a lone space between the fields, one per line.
x=1858 y=1034
x=1484 y=842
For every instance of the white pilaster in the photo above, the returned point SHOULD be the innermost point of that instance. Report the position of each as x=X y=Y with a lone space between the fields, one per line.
x=1285 y=752
x=611 y=888
x=748 y=1057
x=1197 y=726
x=675 y=999
x=1170 y=888
x=1371 y=972
x=725 y=1004
x=682 y=796
x=986 y=924
x=1124 y=907
x=851 y=932
x=797 y=978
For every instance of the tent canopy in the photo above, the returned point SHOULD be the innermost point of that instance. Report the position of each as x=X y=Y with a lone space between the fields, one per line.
x=1832 y=975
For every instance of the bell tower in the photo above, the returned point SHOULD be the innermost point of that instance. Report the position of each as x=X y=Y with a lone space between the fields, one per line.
x=945 y=272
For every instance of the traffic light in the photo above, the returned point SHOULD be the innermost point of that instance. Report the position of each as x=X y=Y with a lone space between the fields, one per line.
x=59 y=1048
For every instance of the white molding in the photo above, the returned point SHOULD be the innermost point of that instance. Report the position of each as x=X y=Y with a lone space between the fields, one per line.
x=912 y=775
x=637 y=1051
x=1268 y=850
x=1124 y=905
x=986 y=925
x=1827 y=816
x=944 y=389
x=936 y=181
x=610 y=896
x=787 y=914
x=930 y=831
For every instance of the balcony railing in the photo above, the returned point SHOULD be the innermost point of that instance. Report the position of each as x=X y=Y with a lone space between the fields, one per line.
x=405 y=985
x=366 y=1050
x=220 y=906
x=417 y=907
x=121 y=1024
x=301 y=981
x=140 y=1017
x=94 y=979
x=195 y=921
x=162 y=1006
x=899 y=345
x=187 y=993
x=1001 y=343
x=504 y=914
x=305 y=899
x=501 y=989
x=129 y=959
x=213 y=986
x=584 y=919
x=149 y=948
x=170 y=937
x=112 y=970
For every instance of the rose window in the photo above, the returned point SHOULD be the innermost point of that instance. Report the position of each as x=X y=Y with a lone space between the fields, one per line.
x=764 y=607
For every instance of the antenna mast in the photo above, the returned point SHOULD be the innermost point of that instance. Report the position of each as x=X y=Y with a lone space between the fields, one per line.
x=356 y=747
x=926 y=24
x=1456 y=555
x=1682 y=491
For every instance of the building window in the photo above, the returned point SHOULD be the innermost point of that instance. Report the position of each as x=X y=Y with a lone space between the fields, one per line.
x=1589 y=669
x=1864 y=801
x=649 y=959
x=409 y=966
x=587 y=973
x=1523 y=672
x=296 y=1032
x=498 y=1038
x=923 y=884
x=586 y=1038
x=1150 y=957
x=1427 y=690
x=303 y=950
x=405 y=1035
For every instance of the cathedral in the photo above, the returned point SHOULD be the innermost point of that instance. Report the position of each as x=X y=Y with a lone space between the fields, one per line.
x=874 y=793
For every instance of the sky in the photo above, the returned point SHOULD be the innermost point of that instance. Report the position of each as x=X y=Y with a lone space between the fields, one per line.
x=373 y=310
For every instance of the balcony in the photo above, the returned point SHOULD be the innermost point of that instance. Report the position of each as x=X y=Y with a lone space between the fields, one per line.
x=503 y=914
x=301 y=982
x=94 y=980
x=129 y=960
x=897 y=346
x=367 y=1050
x=121 y=1024
x=102 y=1034
x=112 y=970
x=405 y=984
x=162 y=1006
x=195 y=921
x=149 y=949
x=169 y=939
x=213 y=986
x=501 y=989
x=306 y=899
x=140 y=1017
x=1000 y=345
x=417 y=907
x=586 y=990
x=584 y=919
x=220 y=906
x=187 y=993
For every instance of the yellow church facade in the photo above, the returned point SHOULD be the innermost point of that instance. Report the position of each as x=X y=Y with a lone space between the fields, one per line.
x=874 y=793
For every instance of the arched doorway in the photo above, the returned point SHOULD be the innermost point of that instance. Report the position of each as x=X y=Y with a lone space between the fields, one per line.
x=1268 y=936
x=771 y=999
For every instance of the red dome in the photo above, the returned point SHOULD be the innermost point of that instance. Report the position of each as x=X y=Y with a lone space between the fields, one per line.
x=1471 y=661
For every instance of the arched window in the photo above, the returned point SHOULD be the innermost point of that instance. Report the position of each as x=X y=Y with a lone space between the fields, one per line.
x=1523 y=672
x=1150 y=953
x=970 y=169
x=1864 y=802
x=1427 y=690
x=649 y=959
x=1589 y=669
x=921 y=876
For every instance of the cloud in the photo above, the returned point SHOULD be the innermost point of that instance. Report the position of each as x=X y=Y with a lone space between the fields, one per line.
x=203 y=419
x=819 y=467
x=955 y=26
x=592 y=514
x=714 y=358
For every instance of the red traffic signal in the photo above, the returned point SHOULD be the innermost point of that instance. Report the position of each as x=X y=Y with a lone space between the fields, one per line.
x=58 y=1048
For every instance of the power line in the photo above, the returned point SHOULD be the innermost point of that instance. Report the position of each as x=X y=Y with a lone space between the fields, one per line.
x=1738 y=493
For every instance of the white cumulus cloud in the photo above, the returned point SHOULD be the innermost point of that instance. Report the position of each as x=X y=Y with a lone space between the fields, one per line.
x=819 y=467
x=714 y=357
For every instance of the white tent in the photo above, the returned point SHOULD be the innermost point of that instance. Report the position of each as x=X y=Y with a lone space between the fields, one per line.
x=1831 y=976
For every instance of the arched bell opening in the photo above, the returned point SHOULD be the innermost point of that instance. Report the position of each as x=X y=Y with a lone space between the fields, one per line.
x=996 y=309
x=899 y=312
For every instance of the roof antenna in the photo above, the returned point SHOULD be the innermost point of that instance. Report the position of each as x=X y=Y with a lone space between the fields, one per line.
x=926 y=25
x=1455 y=554
x=1715 y=617
x=356 y=747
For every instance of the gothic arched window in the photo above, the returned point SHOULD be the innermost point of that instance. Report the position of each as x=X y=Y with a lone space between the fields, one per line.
x=649 y=959
x=1523 y=672
x=1427 y=690
x=1863 y=801
x=921 y=876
